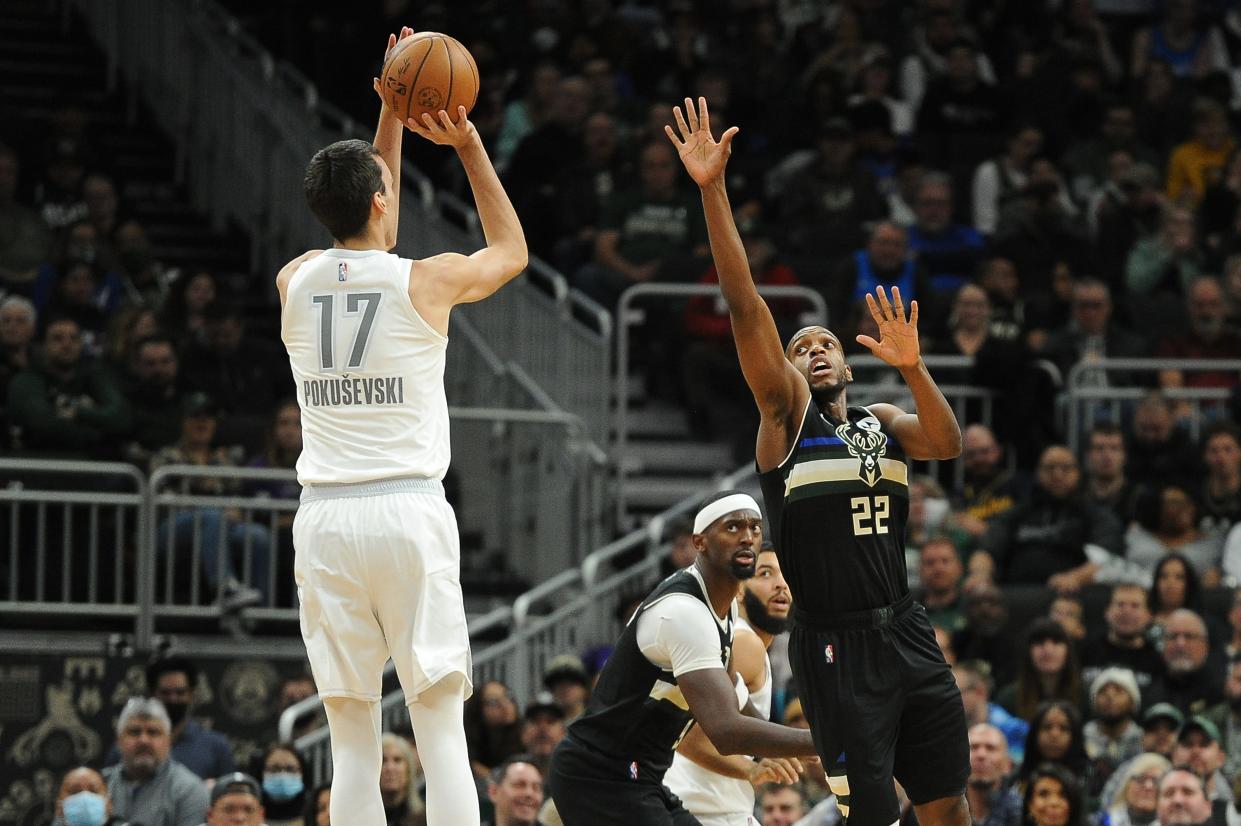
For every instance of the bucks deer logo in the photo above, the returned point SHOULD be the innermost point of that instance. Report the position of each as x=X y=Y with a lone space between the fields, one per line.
x=868 y=443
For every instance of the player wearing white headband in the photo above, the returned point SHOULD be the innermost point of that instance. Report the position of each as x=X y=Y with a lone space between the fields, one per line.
x=670 y=668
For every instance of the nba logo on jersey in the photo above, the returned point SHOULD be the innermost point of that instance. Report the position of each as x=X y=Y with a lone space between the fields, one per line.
x=829 y=654
x=633 y=770
x=342 y=271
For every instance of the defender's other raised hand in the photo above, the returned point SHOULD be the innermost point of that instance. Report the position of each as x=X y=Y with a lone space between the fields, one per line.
x=703 y=156
x=898 y=338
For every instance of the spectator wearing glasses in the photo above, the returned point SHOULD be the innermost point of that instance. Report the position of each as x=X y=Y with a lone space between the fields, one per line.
x=1137 y=792
x=1191 y=681
x=1091 y=335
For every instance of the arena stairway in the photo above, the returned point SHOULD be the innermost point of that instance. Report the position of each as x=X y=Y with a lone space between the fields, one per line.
x=44 y=69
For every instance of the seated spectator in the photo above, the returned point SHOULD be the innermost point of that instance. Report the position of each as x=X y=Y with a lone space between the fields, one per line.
x=1126 y=211
x=1000 y=180
x=822 y=200
x=1048 y=670
x=1200 y=161
x=950 y=252
x=225 y=536
x=1232 y=648
x=246 y=376
x=1045 y=539
x=1106 y=482
x=129 y=326
x=1055 y=737
x=284 y=784
x=1219 y=498
x=930 y=518
x=566 y=679
x=284 y=445
x=65 y=403
x=492 y=731
x=1040 y=230
x=986 y=635
x=1165 y=263
x=1174 y=586
x=1161 y=724
x=936 y=31
x=83 y=798
x=781 y=805
x=1189 y=45
x=1192 y=680
x=1112 y=735
x=59 y=193
x=940 y=574
x=17 y=327
x=1087 y=162
x=73 y=297
x=542 y=728
x=1226 y=716
x=885 y=261
x=1067 y=611
x=1198 y=747
x=400 y=783
x=173 y=681
x=1168 y=523
x=992 y=801
x=653 y=229
x=1053 y=797
x=148 y=786
x=292 y=691
x=1182 y=799
x=1091 y=335
x=962 y=114
x=318 y=806
x=145 y=281
x=584 y=187
x=515 y=789
x=974 y=682
x=991 y=488
x=681 y=552
x=875 y=84
x=236 y=801
x=156 y=398
x=1137 y=792
x=1160 y=451
x=1206 y=337
x=1124 y=643
x=528 y=112
x=185 y=310
x=25 y=240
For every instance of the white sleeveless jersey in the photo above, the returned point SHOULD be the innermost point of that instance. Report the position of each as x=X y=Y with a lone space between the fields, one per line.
x=703 y=791
x=369 y=371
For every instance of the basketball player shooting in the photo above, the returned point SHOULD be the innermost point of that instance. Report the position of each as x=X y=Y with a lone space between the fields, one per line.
x=377 y=552
x=879 y=697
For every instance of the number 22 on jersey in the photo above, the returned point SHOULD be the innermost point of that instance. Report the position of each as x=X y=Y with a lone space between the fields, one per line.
x=870 y=515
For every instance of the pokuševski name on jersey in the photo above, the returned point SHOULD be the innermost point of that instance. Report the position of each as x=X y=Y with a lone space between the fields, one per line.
x=837 y=507
x=369 y=371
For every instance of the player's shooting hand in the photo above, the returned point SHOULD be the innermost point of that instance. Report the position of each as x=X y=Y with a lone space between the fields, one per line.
x=775 y=770
x=898 y=337
x=703 y=156
x=442 y=131
x=393 y=39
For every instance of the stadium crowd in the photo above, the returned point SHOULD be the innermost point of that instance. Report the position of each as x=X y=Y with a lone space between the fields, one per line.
x=1052 y=181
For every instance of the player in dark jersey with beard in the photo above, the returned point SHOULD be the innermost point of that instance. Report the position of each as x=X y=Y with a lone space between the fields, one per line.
x=880 y=699
x=671 y=666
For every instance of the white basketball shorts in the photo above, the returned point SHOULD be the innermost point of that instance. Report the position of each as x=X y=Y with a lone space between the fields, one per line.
x=378 y=568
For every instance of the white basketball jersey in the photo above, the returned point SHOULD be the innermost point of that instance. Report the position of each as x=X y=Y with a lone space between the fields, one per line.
x=369 y=371
x=703 y=791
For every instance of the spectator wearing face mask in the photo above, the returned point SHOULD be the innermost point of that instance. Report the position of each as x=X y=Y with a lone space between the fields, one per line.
x=83 y=801
x=283 y=774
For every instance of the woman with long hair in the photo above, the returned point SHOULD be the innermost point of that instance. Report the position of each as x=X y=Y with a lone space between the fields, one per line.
x=1055 y=737
x=1053 y=797
x=399 y=782
x=492 y=730
x=282 y=772
x=1174 y=585
x=1138 y=792
x=1048 y=670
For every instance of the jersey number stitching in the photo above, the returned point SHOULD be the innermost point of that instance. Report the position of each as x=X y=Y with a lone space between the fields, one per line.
x=864 y=511
x=325 y=304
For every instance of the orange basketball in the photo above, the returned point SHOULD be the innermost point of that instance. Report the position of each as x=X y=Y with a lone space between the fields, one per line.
x=429 y=72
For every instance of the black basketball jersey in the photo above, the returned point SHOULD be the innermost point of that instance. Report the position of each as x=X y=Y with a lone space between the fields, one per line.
x=636 y=712
x=837 y=508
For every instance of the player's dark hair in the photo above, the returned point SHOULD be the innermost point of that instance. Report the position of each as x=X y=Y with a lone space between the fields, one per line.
x=340 y=181
x=171 y=665
x=1069 y=785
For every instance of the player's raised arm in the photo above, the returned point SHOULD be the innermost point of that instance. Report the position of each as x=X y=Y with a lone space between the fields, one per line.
x=768 y=373
x=474 y=277
x=388 y=134
x=932 y=432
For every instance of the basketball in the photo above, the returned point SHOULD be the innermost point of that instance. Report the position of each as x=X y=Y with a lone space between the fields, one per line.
x=429 y=72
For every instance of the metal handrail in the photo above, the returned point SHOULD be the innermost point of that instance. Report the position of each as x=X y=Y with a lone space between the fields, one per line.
x=623 y=321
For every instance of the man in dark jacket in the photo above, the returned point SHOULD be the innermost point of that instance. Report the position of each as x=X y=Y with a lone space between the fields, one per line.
x=1045 y=539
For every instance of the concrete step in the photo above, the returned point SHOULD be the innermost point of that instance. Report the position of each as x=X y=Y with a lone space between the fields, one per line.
x=652 y=494
x=656 y=419
x=655 y=457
